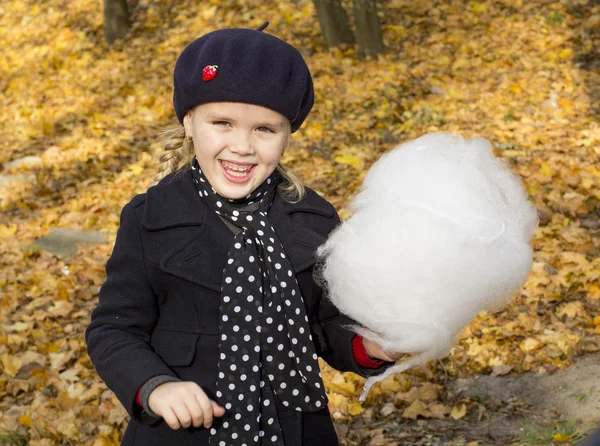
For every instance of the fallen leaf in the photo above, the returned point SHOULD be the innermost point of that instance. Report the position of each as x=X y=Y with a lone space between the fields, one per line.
x=560 y=438
x=355 y=408
x=25 y=420
x=12 y=364
x=458 y=411
x=349 y=160
x=428 y=392
x=571 y=310
x=530 y=344
x=502 y=369
x=407 y=397
x=416 y=409
x=387 y=409
x=438 y=410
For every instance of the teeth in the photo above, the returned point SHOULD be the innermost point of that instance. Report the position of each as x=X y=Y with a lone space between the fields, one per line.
x=233 y=173
x=234 y=168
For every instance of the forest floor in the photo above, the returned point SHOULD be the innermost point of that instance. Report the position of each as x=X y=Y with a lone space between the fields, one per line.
x=78 y=138
x=524 y=409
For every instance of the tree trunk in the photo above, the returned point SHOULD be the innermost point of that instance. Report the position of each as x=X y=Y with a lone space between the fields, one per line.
x=334 y=22
x=116 y=20
x=368 y=30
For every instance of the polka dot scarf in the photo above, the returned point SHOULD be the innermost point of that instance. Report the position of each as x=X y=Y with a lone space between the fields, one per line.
x=265 y=348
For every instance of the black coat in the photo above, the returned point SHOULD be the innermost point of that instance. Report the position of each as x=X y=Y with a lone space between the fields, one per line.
x=158 y=310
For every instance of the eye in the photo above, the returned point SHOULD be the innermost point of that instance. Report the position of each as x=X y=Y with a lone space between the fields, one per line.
x=265 y=129
x=222 y=123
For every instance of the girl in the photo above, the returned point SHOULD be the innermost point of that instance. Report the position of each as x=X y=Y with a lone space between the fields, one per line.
x=209 y=324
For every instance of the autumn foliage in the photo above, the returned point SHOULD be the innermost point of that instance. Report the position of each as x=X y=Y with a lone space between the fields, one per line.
x=522 y=74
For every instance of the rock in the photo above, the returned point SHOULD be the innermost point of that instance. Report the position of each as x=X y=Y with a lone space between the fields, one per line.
x=63 y=242
x=9 y=180
x=26 y=162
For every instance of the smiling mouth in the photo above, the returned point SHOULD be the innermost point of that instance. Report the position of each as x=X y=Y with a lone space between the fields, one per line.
x=236 y=170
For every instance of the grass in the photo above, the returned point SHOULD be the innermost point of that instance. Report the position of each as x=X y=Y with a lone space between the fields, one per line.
x=555 y=434
x=13 y=439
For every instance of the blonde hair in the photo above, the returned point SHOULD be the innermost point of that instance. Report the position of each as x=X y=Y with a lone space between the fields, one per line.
x=179 y=152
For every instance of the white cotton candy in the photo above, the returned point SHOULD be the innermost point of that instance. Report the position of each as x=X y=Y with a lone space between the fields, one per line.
x=441 y=230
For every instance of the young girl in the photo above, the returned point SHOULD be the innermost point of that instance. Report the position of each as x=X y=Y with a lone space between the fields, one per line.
x=209 y=324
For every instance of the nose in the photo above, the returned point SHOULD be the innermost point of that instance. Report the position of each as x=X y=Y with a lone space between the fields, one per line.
x=241 y=143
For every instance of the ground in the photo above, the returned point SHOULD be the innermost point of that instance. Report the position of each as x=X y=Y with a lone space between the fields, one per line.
x=525 y=409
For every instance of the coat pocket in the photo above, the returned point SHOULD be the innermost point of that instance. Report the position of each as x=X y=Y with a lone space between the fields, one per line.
x=176 y=348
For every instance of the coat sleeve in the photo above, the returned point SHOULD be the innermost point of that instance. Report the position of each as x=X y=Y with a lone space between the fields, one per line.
x=333 y=332
x=118 y=337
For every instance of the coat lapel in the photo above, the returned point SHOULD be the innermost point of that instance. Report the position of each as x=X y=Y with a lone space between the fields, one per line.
x=299 y=242
x=198 y=239
x=201 y=241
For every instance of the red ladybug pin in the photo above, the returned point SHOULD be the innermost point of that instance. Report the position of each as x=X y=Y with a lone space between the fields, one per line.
x=209 y=72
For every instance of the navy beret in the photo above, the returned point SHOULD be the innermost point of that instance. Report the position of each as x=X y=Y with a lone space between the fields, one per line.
x=243 y=65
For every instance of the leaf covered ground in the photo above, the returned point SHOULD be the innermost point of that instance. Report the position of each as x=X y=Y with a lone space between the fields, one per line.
x=524 y=75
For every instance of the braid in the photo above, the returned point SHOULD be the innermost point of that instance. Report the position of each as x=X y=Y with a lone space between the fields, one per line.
x=178 y=152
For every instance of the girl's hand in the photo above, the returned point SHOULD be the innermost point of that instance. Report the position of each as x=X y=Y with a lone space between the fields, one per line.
x=375 y=351
x=183 y=404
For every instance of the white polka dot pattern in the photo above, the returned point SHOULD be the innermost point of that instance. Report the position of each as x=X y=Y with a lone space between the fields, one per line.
x=265 y=348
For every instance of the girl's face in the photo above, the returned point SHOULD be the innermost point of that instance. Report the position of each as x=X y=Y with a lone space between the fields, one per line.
x=237 y=145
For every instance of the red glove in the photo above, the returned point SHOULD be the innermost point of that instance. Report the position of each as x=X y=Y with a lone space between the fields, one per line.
x=360 y=354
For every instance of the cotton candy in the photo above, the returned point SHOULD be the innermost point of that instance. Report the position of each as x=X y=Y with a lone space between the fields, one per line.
x=440 y=231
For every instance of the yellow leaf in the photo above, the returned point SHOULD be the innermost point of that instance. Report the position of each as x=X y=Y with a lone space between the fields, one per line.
x=8 y=230
x=336 y=401
x=515 y=88
x=593 y=292
x=341 y=383
x=25 y=420
x=565 y=103
x=415 y=409
x=479 y=7
x=546 y=170
x=513 y=153
x=63 y=293
x=571 y=309
x=561 y=438
x=136 y=169
x=68 y=429
x=355 y=408
x=529 y=345
x=565 y=53
x=349 y=160
x=11 y=364
x=390 y=384
x=458 y=411
x=444 y=60
x=314 y=131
